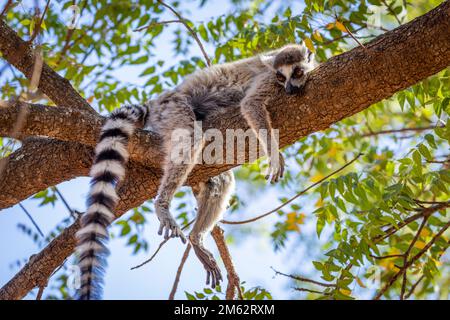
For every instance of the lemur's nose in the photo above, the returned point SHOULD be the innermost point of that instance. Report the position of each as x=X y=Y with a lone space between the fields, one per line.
x=290 y=89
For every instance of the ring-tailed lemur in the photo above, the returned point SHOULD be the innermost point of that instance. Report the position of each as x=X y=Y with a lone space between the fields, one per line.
x=248 y=84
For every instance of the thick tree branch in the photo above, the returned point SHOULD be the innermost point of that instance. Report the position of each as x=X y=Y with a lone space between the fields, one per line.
x=21 y=55
x=233 y=279
x=339 y=88
x=40 y=163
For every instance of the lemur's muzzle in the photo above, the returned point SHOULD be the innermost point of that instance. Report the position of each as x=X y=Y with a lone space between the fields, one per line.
x=290 y=89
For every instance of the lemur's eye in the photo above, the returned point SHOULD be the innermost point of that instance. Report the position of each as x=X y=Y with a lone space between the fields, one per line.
x=298 y=73
x=280 y=77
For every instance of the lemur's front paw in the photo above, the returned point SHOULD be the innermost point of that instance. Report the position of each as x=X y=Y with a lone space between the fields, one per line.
x=171 y=229
x=276 y=168
x=213 y=274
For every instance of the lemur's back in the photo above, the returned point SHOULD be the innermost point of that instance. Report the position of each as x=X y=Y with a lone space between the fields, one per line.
x=220 y=86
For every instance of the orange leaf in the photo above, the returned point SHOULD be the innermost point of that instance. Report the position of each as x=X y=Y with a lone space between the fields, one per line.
x=330 y=26
x=341 y=26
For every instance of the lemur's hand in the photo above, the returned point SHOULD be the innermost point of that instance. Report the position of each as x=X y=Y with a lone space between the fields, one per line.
x=276 y=168
x=170 y=228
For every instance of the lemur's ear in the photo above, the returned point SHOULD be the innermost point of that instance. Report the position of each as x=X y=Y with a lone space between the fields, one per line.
x=309 y=55
x=267 y=60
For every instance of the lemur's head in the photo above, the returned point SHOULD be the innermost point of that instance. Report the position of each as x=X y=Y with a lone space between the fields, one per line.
x=292 y=64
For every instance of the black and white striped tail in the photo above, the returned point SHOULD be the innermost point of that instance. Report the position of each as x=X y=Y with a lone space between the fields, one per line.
x=111 y=156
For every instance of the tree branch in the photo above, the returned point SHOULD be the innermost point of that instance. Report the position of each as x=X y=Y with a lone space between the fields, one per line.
x=21 y=55
x=180 y=269
x=405 y=267
x=233 y=279
x=57 y=161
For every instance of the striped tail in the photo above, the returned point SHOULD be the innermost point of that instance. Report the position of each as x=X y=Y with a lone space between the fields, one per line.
x=111 y=156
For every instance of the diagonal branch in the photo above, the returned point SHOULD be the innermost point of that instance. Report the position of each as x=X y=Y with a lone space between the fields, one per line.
x=233 y=279
x=20 y=54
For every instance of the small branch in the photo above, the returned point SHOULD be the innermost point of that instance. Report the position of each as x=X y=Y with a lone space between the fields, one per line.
x=413 y=288
x=6 y=8
x=341 y=37
x=411 y=262
x=40 y=292
x=392 y=11
x=294 y=197
x=193 y=33
x=162 y=243
x=37 y=28
x=66 y=204
x=233 y=279
x=387 y=257
x=180 y=268
x=375 y=133
x=69 y=34
x=406 y=255
x=32 y=220
x=424 y=212
x=302 y=279
x=313 y=291
x=157 y=23
x=351 y=35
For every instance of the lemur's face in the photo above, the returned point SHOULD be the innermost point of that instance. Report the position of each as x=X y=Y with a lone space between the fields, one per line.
x=292 y=66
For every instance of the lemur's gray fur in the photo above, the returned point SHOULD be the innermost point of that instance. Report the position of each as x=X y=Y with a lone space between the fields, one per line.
x=247 y=84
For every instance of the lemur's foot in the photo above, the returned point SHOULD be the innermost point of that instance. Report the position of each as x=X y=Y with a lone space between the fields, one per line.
x=213 y=274
x=170 y=227
x=276 y=168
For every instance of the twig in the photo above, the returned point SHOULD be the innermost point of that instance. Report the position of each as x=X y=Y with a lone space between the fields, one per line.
x=351 y=34
x=233 y=279
x=6 y=8
x=159 y=248
x=180 y=268
x=375 y=133
x=313 y=291
x=392 y=11
x=157 y=23
x=69 y=34
x=294 y=197
x=341 y=37
x=302 y=279
x=32 y=220
x=387 y=257
x=410 y=262
x=37 y=27
x=423 y=213
x=66 y=204
x=40 y=292
x=414 y=286
x=406 y=255
x=193 y=33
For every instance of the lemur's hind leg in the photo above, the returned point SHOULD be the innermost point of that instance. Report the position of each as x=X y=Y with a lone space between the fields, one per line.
x=212 y=200
x=181 y=157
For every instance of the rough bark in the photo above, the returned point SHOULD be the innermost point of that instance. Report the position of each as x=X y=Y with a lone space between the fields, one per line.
x=21 y=55
x=341 y=87
x=34 y=163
